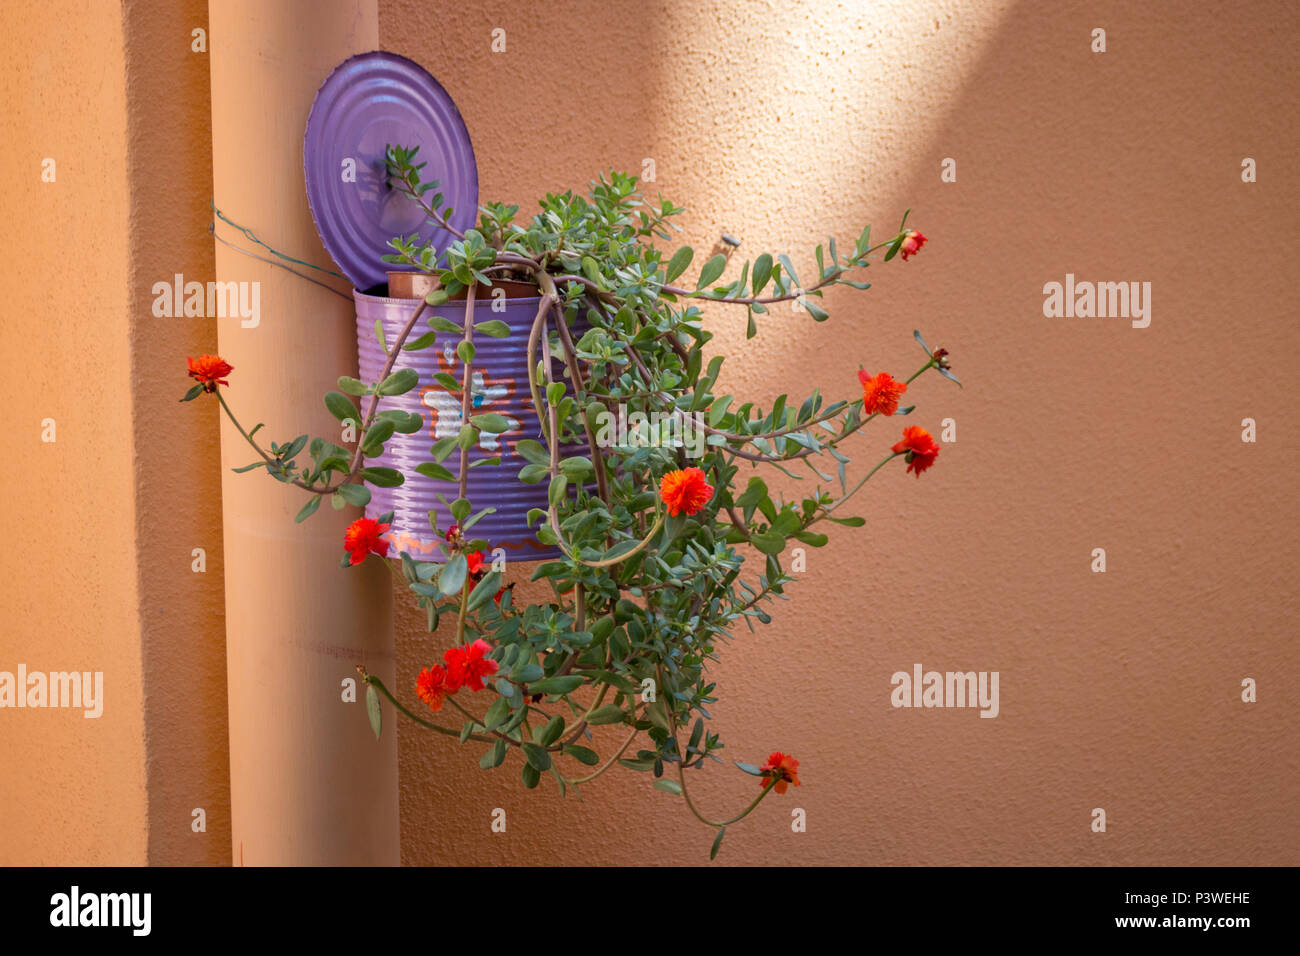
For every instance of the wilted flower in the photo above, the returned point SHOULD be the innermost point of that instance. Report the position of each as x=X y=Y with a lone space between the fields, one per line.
x=912 y=243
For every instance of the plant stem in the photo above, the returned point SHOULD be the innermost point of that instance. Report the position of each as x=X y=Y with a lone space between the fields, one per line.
x=829 y=279
x=355 y=467
x=251 y=441
x=884 y=461
x=608 y=763
x=460 y=615
x=372 y=679
x=466 y=389
x=681 y=778
x=374 y=398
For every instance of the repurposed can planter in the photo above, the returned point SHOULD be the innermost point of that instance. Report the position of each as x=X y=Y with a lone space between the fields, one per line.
x=370 y=101
x=500 y=385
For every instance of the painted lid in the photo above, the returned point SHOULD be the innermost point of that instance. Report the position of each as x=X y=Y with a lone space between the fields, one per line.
x=367 y=102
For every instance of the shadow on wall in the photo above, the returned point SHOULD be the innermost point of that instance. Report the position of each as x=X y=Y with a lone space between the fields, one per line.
x=1072 y=434
x=178 y=493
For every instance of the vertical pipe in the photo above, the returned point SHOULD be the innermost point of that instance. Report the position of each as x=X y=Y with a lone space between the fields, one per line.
x=309 y=783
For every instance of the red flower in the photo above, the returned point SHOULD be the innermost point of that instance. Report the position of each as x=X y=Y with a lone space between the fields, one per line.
x=880 y=393
x=781 y=769
x=467 y=666
x=475 y=561
x=452 y=533
x=363 y=537
x=209 y=371
x=912 y=243
x=431 y=686
x=685 y=491
x=919 y=446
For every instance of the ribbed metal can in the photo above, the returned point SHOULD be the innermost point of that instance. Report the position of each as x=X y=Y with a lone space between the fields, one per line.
x=500 y=385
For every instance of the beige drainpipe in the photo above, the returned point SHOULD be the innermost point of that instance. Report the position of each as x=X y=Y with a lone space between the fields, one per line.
x=309 y=783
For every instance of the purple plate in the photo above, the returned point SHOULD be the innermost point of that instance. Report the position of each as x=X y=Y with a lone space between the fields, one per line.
x=368 y=102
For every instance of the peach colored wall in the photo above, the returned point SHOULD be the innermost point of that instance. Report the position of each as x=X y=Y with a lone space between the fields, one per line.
x=780 y=122
x=178 y=485
x=118 y=97
x=73 y=789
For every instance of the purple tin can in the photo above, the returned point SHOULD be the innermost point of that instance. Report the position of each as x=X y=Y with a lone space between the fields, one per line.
x=368 y=102
x=500 y=385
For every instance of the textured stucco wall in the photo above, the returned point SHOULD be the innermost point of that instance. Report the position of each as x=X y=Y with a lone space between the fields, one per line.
x=780 y=122
x=98 y=574
x=73 y=789
x=178 y=486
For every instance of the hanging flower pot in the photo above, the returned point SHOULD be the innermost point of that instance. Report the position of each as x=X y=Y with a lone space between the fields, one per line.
x=367 y=103
x=499 y=386
x=662 y=546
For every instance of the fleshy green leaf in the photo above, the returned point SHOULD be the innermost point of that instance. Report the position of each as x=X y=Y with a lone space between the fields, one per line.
x=382 y=477
x=762 y=272
x=431 y=469
x=583 y=755
x=341 y=407
x=484 y=591
x=358 y=495
x=769 y=542
x=491 y=422
x=494 y=757
x=536 y=756
x=497 y=714
x=609 y=714
x=532 y=451
x=373 y=710
x=711 y=271
x=400 y=382
x=308 y=509
x=679 y=262
x=556 y=685
x=452 y=578
x=352 y=386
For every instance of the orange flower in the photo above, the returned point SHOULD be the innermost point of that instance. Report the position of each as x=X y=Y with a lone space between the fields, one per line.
x=781 y=769
x=912 y=243
x=431 y=687
x=209 y=371
x=919 y=446
x=880 y=393
x=467 y=666
x=363 y=537
x=685 y=491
